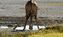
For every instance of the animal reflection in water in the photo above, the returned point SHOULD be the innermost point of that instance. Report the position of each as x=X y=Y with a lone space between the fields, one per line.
x=31 y=11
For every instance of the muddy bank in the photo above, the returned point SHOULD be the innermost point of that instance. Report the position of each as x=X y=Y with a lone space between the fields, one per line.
x=40 y=20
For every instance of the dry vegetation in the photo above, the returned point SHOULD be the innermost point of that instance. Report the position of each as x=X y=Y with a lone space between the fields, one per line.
x=55 y=31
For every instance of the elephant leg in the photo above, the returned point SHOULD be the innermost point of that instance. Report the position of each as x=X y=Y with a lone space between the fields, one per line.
x=30 y=26
x=36 y=22
x=25 y=22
